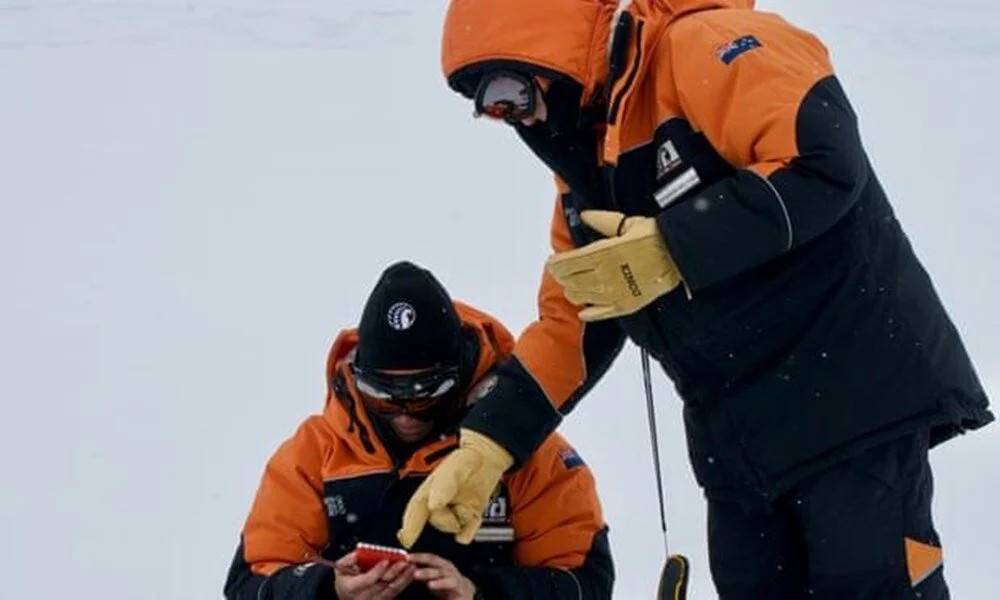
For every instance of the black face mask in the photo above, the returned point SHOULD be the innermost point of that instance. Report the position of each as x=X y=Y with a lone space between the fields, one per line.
x=567 y=141
x=570 y=154
x=562 y=103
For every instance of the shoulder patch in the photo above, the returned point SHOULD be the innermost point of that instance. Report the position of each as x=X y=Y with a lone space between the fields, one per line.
x=571 y=458
x=727 y=53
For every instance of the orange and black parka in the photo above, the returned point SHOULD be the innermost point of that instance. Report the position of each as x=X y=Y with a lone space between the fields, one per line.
x=807 y=329
x=340 y=480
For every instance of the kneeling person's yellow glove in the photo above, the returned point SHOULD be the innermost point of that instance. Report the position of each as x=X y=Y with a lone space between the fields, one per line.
x=455 y=494
x=619 y=275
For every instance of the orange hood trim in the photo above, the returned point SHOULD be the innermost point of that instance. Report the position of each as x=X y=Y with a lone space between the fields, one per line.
x=567 y=37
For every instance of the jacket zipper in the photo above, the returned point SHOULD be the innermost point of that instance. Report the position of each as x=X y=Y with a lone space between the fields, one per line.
x=630 y=78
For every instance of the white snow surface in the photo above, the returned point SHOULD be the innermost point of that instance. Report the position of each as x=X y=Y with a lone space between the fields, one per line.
x=196 y=196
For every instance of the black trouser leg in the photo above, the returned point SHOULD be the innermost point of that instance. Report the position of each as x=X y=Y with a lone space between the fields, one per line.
x=755 y=555
x=860 y=530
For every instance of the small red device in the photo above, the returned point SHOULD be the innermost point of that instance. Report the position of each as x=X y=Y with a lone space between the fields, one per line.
x=369 y=555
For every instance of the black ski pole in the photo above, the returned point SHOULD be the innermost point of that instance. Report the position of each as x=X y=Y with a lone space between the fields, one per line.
x=674 y=577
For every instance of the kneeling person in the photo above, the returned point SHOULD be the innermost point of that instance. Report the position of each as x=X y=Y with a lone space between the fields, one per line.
x=397 y=388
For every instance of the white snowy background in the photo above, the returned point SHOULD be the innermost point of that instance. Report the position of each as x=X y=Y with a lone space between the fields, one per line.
x=195 y=196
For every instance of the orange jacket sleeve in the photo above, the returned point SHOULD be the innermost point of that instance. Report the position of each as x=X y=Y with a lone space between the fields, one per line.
x=287 y=526
x=556 y=360
x=764 y=95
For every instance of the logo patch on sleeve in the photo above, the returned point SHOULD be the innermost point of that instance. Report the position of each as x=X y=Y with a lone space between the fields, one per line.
x=570 y=458
x=727 y=53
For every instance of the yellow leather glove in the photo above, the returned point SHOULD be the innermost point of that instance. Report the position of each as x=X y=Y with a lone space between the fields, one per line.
x=619 y=275
x=455 y=494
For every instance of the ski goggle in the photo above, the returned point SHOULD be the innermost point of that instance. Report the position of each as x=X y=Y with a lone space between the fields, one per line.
x=506 y=95
x=416 y=394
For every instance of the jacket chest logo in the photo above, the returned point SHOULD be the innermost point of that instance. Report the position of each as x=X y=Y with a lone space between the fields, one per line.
x=667 y=159
x=497 y=511
x=497 y=519
x=674 y=177
x=335 y=506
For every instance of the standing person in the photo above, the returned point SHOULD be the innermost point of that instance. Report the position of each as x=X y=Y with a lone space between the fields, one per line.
x=716 y=206
x=398 y=386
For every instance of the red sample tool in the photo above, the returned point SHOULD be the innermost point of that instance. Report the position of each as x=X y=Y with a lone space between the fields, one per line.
x=370 y=555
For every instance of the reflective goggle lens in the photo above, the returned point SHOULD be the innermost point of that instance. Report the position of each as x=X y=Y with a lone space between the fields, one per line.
x=410 y=393
x=505 y=95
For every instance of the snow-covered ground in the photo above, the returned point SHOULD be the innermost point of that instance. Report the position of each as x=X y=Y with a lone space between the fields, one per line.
x=195 y=197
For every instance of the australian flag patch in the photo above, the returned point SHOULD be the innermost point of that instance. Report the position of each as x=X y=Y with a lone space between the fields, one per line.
x=727 y=53
x=570 y=458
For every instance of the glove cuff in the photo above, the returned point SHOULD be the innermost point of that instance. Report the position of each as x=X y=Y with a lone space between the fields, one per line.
x=515 y=413
x=492 y=453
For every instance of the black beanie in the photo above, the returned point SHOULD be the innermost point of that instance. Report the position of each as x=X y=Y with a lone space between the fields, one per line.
x=409 y=322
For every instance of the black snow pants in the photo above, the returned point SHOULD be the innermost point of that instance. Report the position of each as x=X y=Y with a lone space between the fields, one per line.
x=860 y=530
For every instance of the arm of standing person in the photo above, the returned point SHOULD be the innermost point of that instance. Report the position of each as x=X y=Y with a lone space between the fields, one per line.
x=555 y=362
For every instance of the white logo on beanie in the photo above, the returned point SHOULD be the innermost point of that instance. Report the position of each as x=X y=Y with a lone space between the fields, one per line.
x=401 y=316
